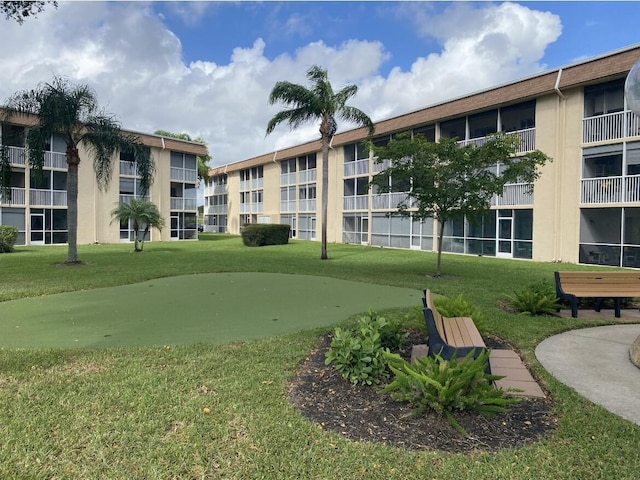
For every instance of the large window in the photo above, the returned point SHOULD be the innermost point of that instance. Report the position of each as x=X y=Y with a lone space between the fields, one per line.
x=610 y=236
x=604 y=98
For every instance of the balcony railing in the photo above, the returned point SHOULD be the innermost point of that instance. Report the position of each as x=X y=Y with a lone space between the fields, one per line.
x=288 y=206
x=308 y=205
x=183 y=203
x=125 y=198
x=257 y=208
x=128 y=168
x=355 y=202
x=16 y=155
x=378 y=167
x=184 y=175
x=288 y=178
x=57 y=198
x=610 y=126
x=610 y=189
x=388 y=201
x=515 y=194
x=55 y=160
x=359 y=167
x=307 y=176
x=17 y=197
x=257 y=183
x=215 y=209
x=527 y=138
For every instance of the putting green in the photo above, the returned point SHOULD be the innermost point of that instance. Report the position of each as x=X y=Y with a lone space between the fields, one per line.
x=212 y=308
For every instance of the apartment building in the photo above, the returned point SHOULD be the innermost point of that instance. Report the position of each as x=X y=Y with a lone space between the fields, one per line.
x=37 y=205
x=584 y=208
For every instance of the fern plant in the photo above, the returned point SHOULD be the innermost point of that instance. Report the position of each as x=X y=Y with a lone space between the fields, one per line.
x=459 y=307
x=536 y=299
x=447 y=386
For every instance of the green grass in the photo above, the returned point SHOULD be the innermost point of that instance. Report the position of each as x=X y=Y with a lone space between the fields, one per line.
x=137 y=412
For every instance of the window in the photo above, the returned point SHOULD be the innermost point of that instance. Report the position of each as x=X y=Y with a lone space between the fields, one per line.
x=604 y=98
x=455 y=128
x=483 y=124
x=355 y=151
x=604 y=161
x=288 y=166
x=426 y=131
x=518 y=117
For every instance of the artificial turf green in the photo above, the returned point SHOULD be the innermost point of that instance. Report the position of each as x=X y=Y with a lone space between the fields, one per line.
x=212 y=308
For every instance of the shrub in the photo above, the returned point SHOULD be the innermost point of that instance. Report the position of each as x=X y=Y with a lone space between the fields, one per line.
x=8 y=237
x=536 y=299
x=447 y=386
x=459 y=307
x=358 y=355
x=260 y=234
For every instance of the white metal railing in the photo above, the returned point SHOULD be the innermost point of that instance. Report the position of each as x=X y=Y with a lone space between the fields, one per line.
x=215 y=209
x=178 y=203
x=355 y=202
x=55 y=160
x=378 y=167
x=16 y=155
x=388 y=201
x=177 y=174
x=245 y=208
x=308 y=205
x=17 y=197
x=526 y=136
x=610 y=189
x=359 y=167
x=610 y=126
x=184 y=174
x=126 y=198
x=306 y=176
x=56 y=198
x=257 y=183
x=244 y=185
x=288 y=206
x=288 y=178
x=601 y=190
x=515 y=194
x=257 y=208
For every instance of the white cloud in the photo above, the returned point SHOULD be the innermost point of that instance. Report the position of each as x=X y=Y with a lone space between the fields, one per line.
x=135 y=63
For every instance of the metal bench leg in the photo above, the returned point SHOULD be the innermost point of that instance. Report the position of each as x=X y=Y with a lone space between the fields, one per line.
x=617 y=304
x=574 y=307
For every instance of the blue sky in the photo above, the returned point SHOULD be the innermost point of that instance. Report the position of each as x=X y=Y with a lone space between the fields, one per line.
x=206 y=68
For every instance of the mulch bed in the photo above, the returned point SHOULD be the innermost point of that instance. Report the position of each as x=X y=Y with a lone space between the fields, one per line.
x=362 y=413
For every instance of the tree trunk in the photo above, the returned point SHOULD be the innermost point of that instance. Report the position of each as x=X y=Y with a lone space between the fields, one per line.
x=325 y=195
x=439 y=255
x=73 y=160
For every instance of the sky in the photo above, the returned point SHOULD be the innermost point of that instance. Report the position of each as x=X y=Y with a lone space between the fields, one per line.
x=207 y=68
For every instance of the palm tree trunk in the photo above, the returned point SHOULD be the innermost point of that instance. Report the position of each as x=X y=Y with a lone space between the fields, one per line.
x=325 y=195
x=73 y=160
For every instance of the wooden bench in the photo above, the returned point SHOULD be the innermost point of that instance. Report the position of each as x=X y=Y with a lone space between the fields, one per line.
x=450 y=336
x=598 y=285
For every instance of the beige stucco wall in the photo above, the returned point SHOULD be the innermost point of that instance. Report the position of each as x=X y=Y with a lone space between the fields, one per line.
x=233 y=203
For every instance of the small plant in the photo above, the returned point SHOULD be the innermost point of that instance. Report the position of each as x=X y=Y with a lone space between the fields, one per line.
x=447 y=386
x=359 y=355
x=8 y=237
x=459 y=307
x=536 y=299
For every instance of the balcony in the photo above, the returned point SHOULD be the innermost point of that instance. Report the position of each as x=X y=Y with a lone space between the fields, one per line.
x=308 y=205
x=610 y=190
x=288 y=178
x=187 y=204
x=287 y=206
x=388 y=201
x=527 y=139
x=17 y=197
x=611 y=126
x=128 y=168
x=16 y=155
x=184 y=175
x=307 y=176
x=514 y=194
x=357 y=168
x=124 y=198
x=55 y=160
x=355 y=202
x=257 y=183
x=46 y=198
x=380 y=166
x=215 y=209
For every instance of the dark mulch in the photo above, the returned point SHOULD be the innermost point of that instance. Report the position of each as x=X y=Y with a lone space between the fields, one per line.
x=363 y=413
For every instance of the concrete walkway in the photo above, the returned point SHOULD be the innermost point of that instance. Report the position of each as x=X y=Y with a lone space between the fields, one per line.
x=595 y=362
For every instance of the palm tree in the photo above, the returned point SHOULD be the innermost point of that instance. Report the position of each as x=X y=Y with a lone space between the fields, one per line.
x=142 y=213
x=318 y=103
x=71 y=111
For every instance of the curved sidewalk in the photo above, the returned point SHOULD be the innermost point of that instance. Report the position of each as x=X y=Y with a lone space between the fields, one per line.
x=595 y=362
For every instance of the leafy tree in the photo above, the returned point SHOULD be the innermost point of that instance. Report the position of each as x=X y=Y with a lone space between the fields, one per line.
x=447 y=180
x=19 y=10
x=203 y=160
x=71 y=111
x=317 y=103
x=142 y=213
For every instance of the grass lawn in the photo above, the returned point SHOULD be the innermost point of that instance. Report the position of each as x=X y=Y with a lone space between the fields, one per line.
x=138 y=411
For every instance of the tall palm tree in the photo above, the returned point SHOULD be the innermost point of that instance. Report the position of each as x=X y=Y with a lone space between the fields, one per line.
x=317 y=103
x=71 y=111
x=141 y=213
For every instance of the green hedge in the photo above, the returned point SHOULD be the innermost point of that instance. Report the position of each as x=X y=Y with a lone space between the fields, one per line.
x=8 y=237
x=259 y=234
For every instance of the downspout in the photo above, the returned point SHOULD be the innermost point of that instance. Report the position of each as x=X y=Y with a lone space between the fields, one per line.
x=560 y=132
x=274 y=156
